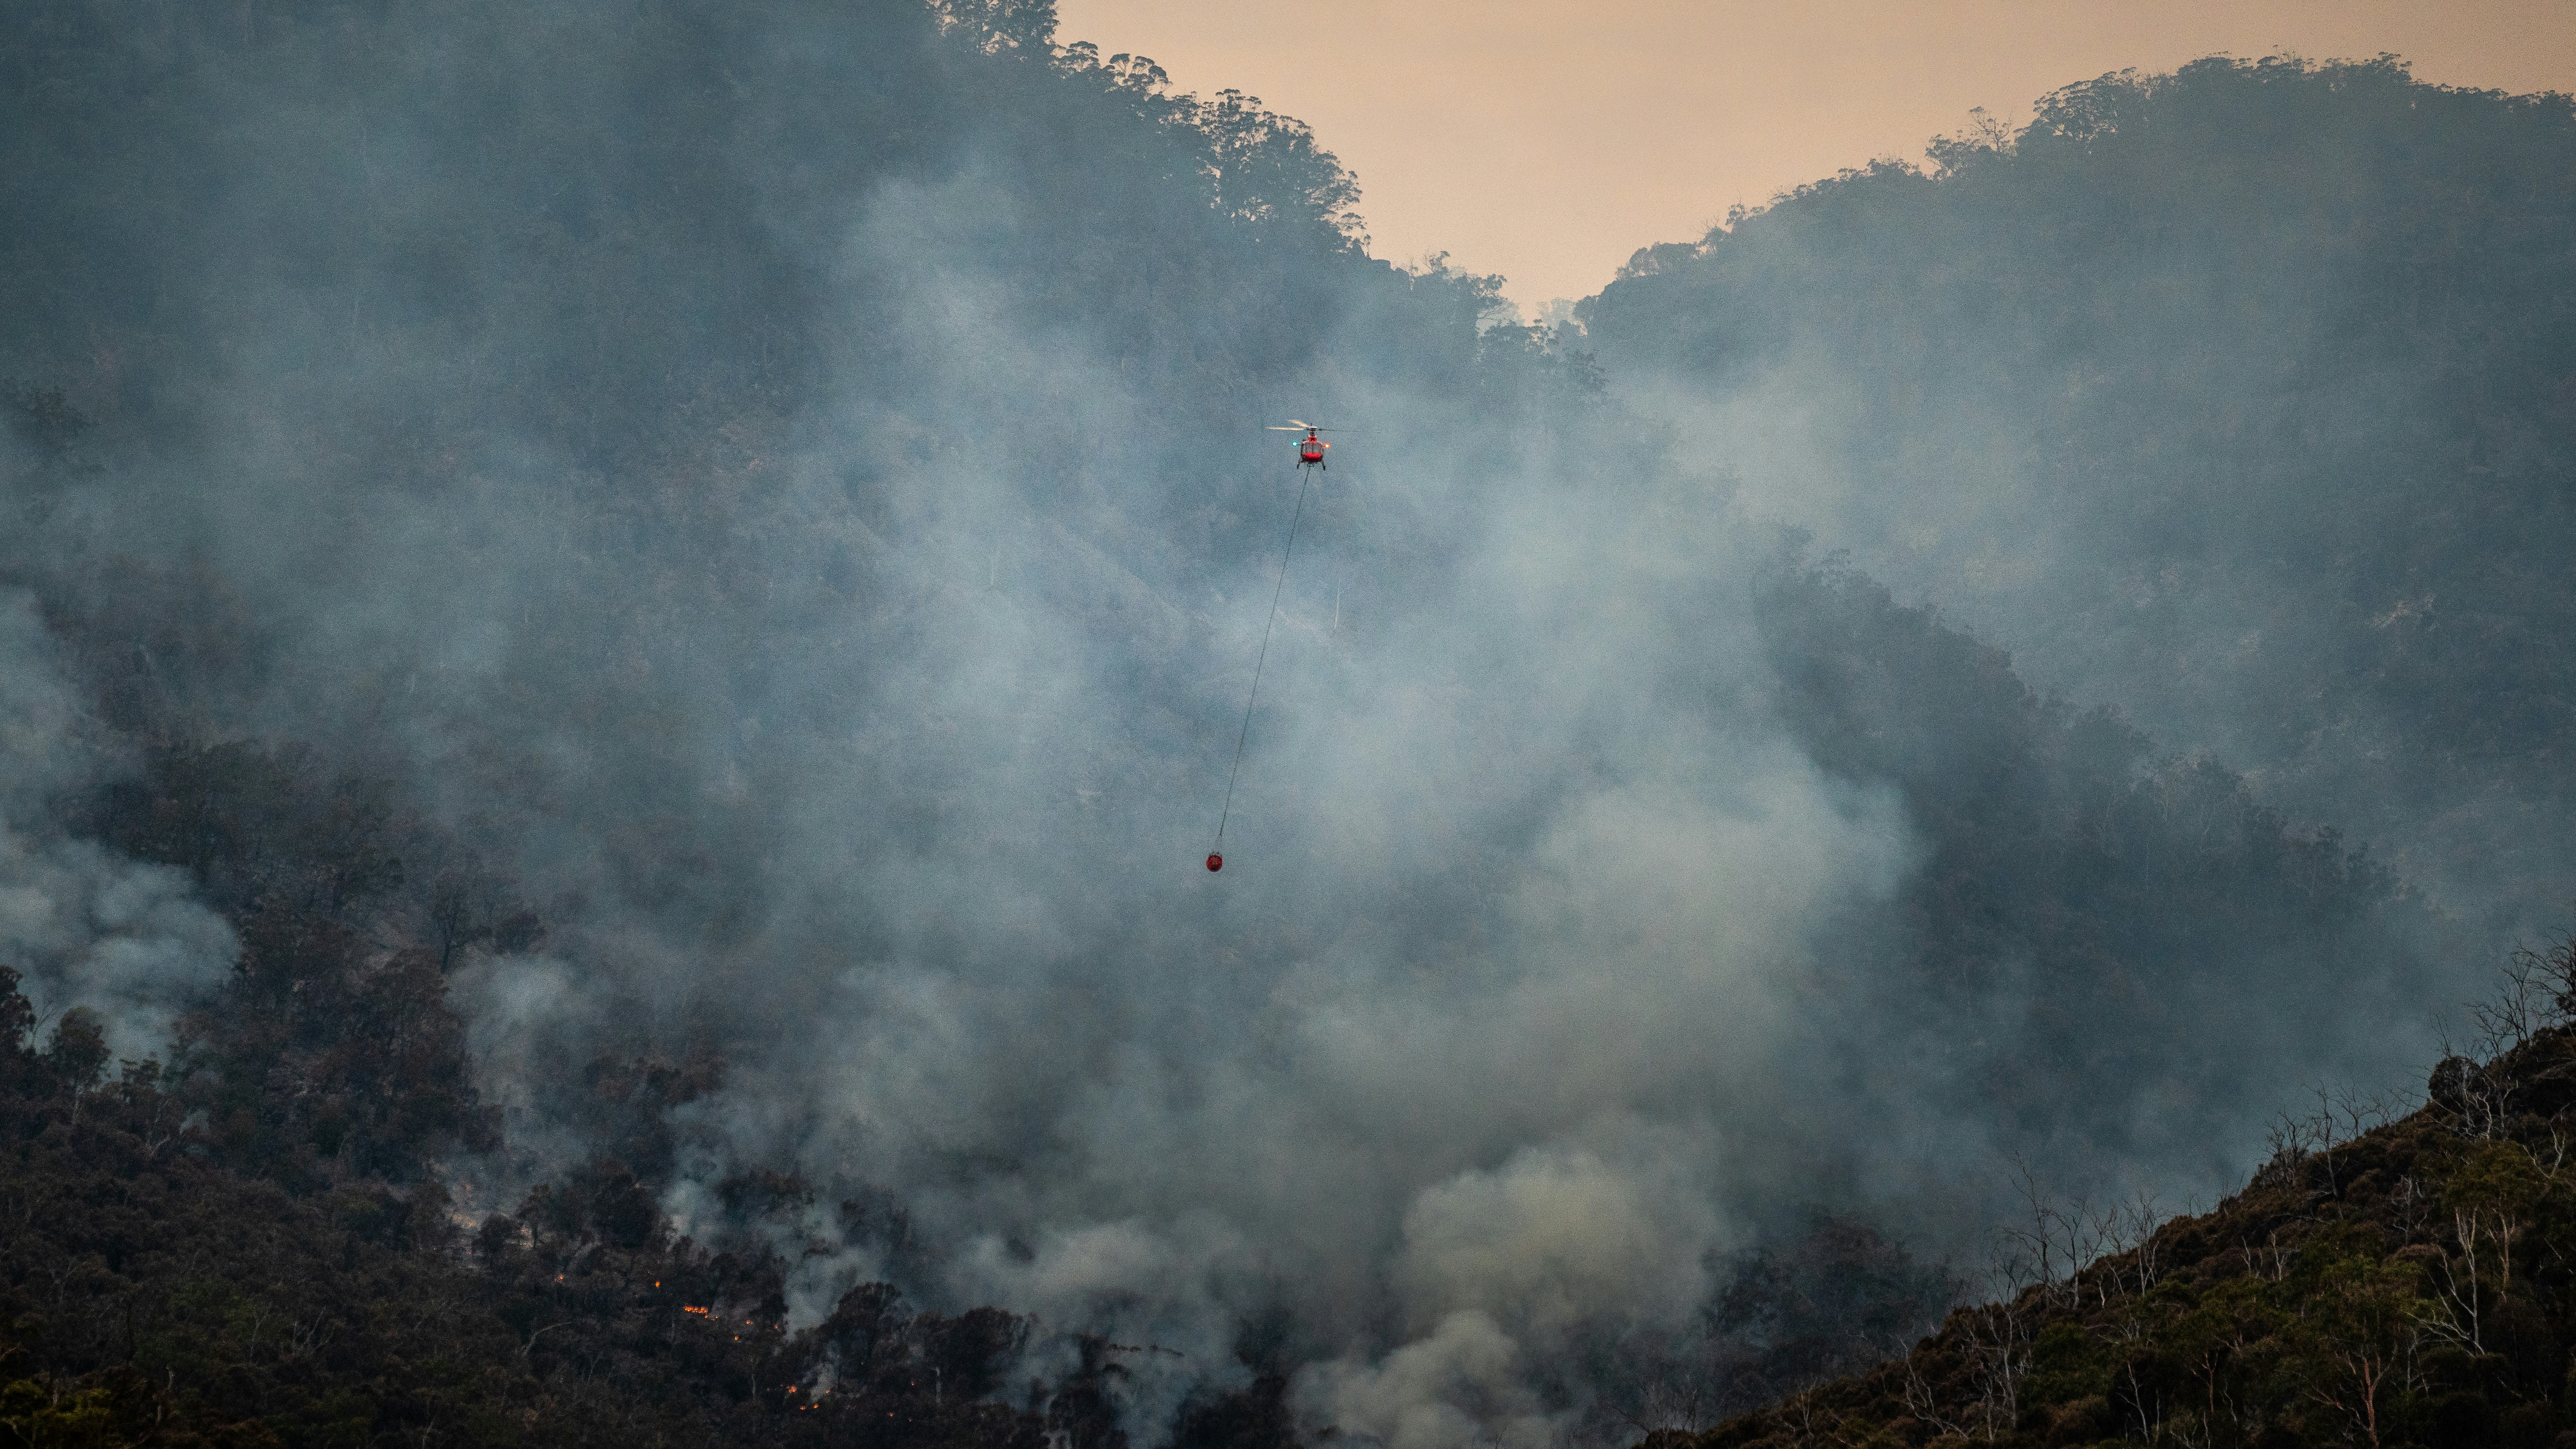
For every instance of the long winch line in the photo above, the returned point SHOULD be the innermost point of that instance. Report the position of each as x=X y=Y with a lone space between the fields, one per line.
x=1216 y=851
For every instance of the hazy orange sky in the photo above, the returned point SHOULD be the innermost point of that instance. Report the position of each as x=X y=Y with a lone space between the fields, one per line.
x=1547 y=140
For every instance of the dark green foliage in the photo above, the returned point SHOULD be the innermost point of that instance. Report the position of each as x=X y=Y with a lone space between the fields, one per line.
x=2406 y=1286
x=151 y=1295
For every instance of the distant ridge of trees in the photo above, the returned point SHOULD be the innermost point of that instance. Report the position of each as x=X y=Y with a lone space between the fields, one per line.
x=2243 y=397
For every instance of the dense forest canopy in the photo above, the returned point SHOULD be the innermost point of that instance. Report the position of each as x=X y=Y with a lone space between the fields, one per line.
x=622 y=623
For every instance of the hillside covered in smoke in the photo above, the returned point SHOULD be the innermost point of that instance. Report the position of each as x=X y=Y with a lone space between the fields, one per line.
x=2242 y=398
x=623 y=625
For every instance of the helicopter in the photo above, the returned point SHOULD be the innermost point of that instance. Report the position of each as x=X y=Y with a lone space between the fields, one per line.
x=1310 y=454
x=1310 y=448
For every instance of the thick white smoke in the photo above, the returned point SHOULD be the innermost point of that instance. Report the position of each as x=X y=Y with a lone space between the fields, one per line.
x=86 y=926
x=1486 y=1030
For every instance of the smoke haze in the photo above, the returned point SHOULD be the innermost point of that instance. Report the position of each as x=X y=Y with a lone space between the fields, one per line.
x=88 y=928
x=778 y=494
x=2276 y=482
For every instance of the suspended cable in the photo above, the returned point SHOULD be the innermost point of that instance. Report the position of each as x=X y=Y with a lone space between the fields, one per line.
x=1216 y=857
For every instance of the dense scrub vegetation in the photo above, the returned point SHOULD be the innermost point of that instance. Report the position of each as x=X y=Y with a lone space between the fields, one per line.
x=247 y=1246
x=2405 y=1284
x=2242 y=397
x=157 y=1297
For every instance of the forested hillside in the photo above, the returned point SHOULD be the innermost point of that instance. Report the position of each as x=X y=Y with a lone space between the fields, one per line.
x=621 y=631
x=163 y=1291
x=2243 y=398
x=2377 y=1282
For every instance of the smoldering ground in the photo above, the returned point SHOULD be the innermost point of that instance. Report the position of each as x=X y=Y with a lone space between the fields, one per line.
x=785 y=487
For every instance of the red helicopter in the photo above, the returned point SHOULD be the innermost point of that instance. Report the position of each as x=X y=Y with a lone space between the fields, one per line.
x=1310 y=448
x=1310 y=454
